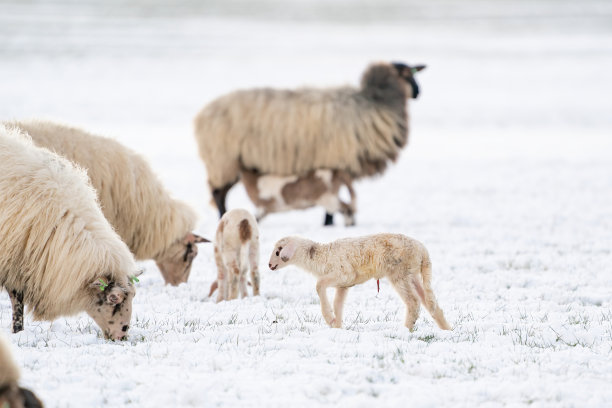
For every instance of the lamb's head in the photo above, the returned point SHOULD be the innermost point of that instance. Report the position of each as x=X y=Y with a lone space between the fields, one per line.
x=406 y=72
x=175 y=262
x=111 y=305
x=283 y=252
x=16 y=397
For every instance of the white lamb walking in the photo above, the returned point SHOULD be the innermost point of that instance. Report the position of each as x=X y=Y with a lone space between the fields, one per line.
x=351 y=261
x=236 y=251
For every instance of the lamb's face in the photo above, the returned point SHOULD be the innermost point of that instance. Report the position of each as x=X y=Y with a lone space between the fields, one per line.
x=175 y=262
x=282 y=254
x=407 y=72
x=111 y=308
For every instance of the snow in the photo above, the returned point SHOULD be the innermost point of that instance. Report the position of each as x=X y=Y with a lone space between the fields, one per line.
x=507 y=180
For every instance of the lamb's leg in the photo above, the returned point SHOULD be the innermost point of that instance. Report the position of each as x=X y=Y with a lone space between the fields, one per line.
x=404 y=288
x=221 y=276
x=234 y=274
x=326 y=310
x=219 y=195
x=17 y=302
x=253 y=265
x=242 y=282
x=329 y=219
x=339 y=305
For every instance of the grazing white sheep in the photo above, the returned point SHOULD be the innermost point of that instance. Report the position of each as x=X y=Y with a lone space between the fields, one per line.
x=11 y=394
x=291 y=132
x=152 y=224
x=236 y=251
x=351 y=261
x=272 y=194
x=58 y=254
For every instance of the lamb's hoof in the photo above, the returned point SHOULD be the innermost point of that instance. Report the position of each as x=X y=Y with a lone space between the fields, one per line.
x=329 y=219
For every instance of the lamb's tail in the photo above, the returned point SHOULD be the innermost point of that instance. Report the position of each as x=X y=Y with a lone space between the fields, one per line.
x=427 y=296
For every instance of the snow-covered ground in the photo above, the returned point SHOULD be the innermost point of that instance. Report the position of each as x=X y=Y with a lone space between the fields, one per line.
x=507 y=180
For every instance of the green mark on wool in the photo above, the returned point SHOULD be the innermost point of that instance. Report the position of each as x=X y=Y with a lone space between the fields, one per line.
x=103 y=285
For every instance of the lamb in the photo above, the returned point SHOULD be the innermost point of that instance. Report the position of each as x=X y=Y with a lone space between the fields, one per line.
x=11 y=394
x=351 y=261
x=152 y=224
x=318 y=187
x=291 y=132
x=58 y=254
x=236 y=250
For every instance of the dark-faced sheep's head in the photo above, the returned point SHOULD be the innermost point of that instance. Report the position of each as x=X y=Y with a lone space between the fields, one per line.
x=406 y=72
x=14 y=396
x=175 y=263
x=282 y=253
x=111 y=308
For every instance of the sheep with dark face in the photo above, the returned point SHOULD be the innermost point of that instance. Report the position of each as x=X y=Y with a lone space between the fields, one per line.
x=58 y=254
x=11 y=394
x=152 y=223
x=292 y=132
x=272 y=194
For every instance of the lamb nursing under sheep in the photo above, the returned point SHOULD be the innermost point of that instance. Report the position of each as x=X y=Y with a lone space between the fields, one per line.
x=11 y=394
x=152 y=224
x=272 y=194
x=351 y=261
x=236 y=251
x=292 y=132
x=58 y=254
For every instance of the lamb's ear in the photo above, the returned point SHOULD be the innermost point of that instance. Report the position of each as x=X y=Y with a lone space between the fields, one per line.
x=287 y=252
x=100 y=284
x=192 y=238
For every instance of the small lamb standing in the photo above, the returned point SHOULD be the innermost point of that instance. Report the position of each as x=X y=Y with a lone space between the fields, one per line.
x=236 y=251
x=351 y=261
x=11 y=394
x=58 y=254
x=152 y=223
x=272 y=193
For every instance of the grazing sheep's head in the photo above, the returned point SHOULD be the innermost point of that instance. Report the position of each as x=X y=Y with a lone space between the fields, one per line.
x=111 y=307
x=14 y=396
x=282 y=253
x=406 y=72
x=175 y=262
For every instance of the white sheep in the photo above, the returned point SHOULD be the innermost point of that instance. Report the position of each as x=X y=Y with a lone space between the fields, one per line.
x=11 y=394
x=291 y=132
x=351 y=261
x=272 y=193
x=236 y=251
x=58 y=254
x=152 y=223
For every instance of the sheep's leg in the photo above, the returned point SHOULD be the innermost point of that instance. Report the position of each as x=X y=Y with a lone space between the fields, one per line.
x=329 y=219
x=17 y=302
x=405 y=290
x=253 y=265
x=242 y=283
x=326 y=310
x=219 y=195
x=339 y=305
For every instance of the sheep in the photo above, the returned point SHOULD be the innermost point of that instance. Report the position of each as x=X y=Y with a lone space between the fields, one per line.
x=291 y=132
x=152 y=224
x=318 y=187
x=11 y=394
x=236 y=250
x=351 y=261
x=58 y=254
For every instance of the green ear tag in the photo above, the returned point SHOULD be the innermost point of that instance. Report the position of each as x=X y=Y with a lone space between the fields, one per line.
x=134 y=279
x=103 y=286
x=414 y=70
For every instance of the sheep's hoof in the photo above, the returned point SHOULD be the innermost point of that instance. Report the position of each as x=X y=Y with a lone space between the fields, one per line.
x=329 y=219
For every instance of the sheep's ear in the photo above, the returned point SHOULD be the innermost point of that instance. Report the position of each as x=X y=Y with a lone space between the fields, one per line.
x=100 y=284
x=418 y=68
x=192 y=238
x=287 y=252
